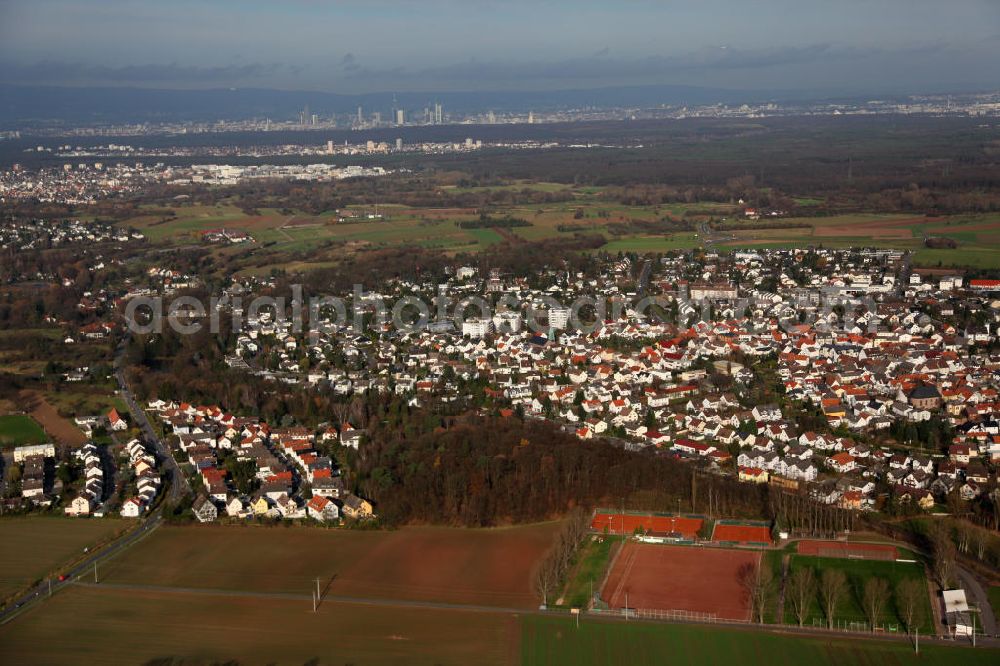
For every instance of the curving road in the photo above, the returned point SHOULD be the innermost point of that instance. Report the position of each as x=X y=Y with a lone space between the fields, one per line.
x=179 y=485
x=82 y=569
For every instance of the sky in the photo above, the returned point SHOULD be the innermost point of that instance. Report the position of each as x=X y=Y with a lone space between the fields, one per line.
x=358 y=46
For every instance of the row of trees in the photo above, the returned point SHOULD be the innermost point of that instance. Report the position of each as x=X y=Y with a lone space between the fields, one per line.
x=555 y=567
x=804 y=588
x=804 y=516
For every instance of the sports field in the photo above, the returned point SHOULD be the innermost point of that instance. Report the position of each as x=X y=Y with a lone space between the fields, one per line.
x=34 y=546
x=858 y=551
x=20 y=430
x=628 y=523
x=745 y=533
x=851 y=608
x=91 y=625
x=685 y=578
x=588 y=572
x=469 y=566
x=553 y=641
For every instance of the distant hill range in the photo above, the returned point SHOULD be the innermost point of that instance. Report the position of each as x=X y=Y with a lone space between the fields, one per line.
x=32 y=104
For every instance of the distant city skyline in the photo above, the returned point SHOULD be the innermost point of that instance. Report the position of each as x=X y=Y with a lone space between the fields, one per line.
x=357 y=46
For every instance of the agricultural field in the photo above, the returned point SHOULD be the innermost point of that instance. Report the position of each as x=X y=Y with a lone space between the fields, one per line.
x=20 y=430
x=857 y=572
x=85 y=400
x=98 y=625
x=58 y=427
x=977 y=236
x=279 y=231
x=466 y=566
x=33 y=547
x=282 y=231
x=553 y=641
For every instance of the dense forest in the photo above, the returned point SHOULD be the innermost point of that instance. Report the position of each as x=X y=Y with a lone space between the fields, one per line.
x=482 y=470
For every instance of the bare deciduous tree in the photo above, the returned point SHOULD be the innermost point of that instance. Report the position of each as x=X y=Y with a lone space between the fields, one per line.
x=557 y=563
x=340 y=412
x=875 y=597
x=980 y=541
x=546 y=579
x=757 y=580
x=800 y=592
x=832 y=586
x=909 y=595
x=942 y=554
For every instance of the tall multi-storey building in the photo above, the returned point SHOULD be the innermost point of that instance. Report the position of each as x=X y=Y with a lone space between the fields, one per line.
x=558 y=317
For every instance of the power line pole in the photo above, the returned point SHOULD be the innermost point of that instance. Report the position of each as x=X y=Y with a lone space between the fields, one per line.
x=313 y=594
x=317 y=591
x=50 y=587
x=95 y=571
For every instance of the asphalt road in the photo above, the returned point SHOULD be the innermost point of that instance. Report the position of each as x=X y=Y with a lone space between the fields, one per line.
x=178 y=483
x=977 y=595
x=83 y=569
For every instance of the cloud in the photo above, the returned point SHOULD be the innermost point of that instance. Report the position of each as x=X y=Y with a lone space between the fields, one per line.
x=52 y=71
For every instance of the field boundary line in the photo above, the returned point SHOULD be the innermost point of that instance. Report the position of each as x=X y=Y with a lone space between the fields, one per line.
x=618 y=546
x=292 y=596
x=629 y=563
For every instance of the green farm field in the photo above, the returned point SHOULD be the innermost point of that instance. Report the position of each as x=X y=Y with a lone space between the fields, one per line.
x=977 y=236
x=20 y=430
x=35 y=546
x=552 y=641
x=282 y=232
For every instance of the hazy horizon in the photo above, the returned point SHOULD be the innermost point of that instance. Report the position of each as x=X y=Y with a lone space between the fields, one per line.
x=353 y=47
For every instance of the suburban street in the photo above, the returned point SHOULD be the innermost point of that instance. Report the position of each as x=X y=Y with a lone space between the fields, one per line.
x=179 y=485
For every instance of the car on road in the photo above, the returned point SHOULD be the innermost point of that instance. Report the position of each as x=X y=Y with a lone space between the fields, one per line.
x=62 y=577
